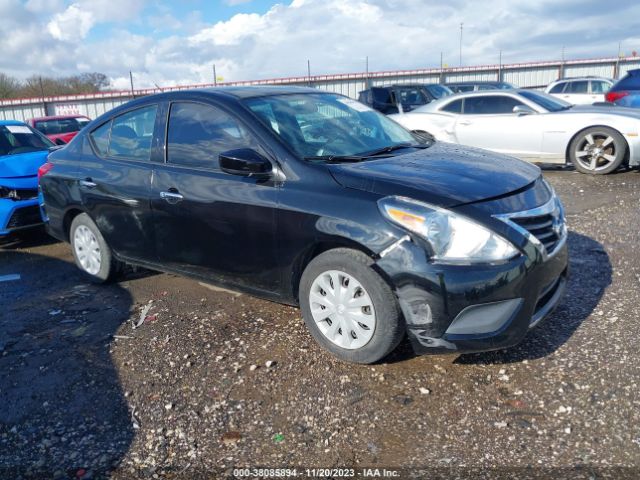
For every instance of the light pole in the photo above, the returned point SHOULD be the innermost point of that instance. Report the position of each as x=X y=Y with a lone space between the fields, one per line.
x=461 y=25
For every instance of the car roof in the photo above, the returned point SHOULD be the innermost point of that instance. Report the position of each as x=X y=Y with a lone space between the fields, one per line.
x=250 y=91
x=57 y=117
x=11 y=122
x=484 y=82
x=575 y=79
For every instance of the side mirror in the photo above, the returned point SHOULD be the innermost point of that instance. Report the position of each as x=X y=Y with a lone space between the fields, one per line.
x=523 y=110
x=245 y=162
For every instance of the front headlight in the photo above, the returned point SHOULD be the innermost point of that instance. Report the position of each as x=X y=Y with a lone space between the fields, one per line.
x=452 y=237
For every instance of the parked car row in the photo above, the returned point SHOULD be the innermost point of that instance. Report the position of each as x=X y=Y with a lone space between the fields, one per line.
x=313 y=199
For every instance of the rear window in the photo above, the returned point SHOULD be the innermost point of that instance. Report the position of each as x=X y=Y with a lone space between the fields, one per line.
x=630 y=82
x=61 y=125
x=15 y=139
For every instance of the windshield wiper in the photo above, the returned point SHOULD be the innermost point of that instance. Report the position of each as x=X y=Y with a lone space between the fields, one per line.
x=391 y=148
x=337 y=158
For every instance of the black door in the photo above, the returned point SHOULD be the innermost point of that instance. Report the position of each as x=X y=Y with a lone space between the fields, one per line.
x=208 y=222
x=115 y=185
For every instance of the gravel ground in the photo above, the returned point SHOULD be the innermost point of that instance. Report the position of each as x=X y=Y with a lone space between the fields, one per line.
x=213 y=380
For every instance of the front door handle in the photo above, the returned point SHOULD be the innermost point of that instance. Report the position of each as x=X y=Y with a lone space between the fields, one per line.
x=464 y=122
x=171 y=197
x=88 y=183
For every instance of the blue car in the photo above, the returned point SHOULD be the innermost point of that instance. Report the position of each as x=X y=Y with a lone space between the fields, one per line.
x=22 y=151
x=626 y=91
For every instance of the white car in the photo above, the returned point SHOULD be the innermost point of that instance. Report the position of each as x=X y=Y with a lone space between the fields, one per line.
x=581 y=90
x=533 y=126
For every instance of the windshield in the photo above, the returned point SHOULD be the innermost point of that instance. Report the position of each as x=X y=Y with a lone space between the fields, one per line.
x=16 y=139
x=439 y=91
x=328 y=125
x=549 y=103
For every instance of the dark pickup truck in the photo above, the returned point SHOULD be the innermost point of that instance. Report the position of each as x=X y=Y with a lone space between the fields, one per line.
x=389 y=99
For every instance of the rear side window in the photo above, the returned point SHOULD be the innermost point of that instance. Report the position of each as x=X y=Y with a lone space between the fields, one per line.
x=131 y=134
x=198 y=133
x=577 y=87
x=100 y=138
x=453 y=107
x=558 y=87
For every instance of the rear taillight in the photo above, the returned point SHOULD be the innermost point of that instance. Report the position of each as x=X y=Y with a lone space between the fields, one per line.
x=615 y=96
x=44 y=169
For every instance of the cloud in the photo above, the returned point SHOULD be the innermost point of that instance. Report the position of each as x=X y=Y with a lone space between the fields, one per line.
x=335 y=35
x=74 y=22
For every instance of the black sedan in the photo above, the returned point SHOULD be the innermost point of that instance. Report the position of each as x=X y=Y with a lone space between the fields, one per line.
x=313 y=199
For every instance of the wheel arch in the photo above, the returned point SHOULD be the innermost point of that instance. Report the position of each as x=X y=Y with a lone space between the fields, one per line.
x=67 y=219
x=317 y=248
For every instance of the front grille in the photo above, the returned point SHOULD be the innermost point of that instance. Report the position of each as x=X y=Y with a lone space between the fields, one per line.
x=25 y=194
x=541 y=227
x=544 y=226
x=25 y=217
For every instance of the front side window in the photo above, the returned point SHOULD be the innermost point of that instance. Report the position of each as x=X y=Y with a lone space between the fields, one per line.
x=558 y=87
x=325 y=124
x=198 y=133
x=131 y=134
x=15 y=139
x=412 y=96
x=490 y=105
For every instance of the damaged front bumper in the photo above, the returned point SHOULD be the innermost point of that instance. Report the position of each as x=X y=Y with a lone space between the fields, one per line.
x=18 y=215
x=472 y=308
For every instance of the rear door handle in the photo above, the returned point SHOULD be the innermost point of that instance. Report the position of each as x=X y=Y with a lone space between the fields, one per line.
x=171 y=197
x=88 y=183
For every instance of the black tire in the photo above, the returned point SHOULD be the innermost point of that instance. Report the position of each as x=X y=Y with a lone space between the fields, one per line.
x=109 y=266
x=617 y=148
x=390 y=327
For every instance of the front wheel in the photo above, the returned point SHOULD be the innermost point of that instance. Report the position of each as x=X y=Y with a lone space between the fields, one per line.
x=348 y=308
x=597 y=150
x=90 y=250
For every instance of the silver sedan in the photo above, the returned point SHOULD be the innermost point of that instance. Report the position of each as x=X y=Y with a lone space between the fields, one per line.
x=534 y=126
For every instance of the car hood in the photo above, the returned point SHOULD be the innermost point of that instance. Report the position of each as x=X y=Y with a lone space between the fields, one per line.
x=444 y=174
x=604 y=109
x=21 y=170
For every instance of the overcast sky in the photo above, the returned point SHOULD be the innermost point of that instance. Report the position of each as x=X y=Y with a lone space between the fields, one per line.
x=177 y=42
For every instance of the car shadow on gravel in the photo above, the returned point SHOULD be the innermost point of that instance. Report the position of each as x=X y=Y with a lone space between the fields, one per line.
x=590 y=274
x=27 y=239
x=62 y=411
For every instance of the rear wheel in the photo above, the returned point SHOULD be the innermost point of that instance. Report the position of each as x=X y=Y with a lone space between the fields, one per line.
x=348 y=308
x=598 y=150
x=90 y=250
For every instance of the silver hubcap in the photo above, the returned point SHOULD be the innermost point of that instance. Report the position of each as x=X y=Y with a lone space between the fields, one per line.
x=342 y=309
x=87 y=249
x=596 y=151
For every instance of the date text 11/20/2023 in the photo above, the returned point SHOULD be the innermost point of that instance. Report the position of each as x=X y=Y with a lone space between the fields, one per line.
x=315 y=473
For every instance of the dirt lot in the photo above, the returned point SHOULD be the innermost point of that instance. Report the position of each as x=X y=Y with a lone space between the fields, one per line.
x=188 y=394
